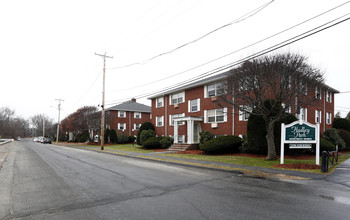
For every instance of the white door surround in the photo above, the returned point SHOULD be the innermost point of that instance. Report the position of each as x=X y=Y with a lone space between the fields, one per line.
x=190 y=128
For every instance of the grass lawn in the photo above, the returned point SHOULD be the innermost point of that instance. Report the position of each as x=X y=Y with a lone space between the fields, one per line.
x=128 y=148
x=253 y=161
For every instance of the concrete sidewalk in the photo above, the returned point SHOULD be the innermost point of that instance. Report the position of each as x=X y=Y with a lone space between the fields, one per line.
x=226 y=167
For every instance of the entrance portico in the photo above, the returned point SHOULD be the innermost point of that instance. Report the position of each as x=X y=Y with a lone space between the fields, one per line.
x=193 y=129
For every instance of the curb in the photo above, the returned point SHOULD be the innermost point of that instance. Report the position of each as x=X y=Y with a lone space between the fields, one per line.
x=240 y=171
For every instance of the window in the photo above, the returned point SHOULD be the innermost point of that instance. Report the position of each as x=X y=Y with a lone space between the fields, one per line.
x=160 y=121
x=329 y=118
x=159 y=102
x=329 y=96
x=194 y=105
x=318 y=116
x=172 y=117
x=216 y=89
x=287 y=109
x=215 y=115
x=121 y=114
x=244 y=112
x=121 y=126
x=181 y=139
x=178 y=98
x=137 y=126
x=303 y=88
x=318 y=93
x=303 y=114
x=137 y=114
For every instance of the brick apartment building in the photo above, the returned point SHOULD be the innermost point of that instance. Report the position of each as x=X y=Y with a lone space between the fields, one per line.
x=185 y=111
x=127 y=117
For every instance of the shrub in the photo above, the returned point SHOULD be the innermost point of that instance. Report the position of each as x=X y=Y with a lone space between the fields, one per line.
x=166 y=142
x=345 y=135
x=131 y=139
x=144 y=126
x=113 y=136
x=82 y=137
x=122 y=139
x=107 y=134
x=341 y=123
x=326 y=145
x=145 y=134
x=333 y=136
x=205 y=136
x=222 y=144
x=152 y=142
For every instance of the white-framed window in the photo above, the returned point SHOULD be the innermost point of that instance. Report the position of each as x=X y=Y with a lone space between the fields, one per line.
x=121 y=114
x=160 y=121
x=121 y=126
x=287 y=109
x=194 y=105
x=216 y=89
x=244 y=112
x=137 y=114
x=318 y=116
x=172 y=117
x=328 y=118
x=181 y=139
x=215 y=115
x=303 y=88
x=329 y=96
x=159 y=102
x=137 y=126
x=318 y=93
x=302 y=115
x=177 y=98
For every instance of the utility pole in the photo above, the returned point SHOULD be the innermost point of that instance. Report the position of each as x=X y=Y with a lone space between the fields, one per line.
x=43 y=127
x=103 y=100
x=59 y=114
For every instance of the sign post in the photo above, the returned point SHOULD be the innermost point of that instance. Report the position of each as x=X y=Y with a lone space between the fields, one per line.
x=300 y=135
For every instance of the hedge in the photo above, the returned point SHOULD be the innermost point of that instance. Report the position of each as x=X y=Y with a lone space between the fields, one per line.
x=222 y=144
x=153 y=142
x=144 y=126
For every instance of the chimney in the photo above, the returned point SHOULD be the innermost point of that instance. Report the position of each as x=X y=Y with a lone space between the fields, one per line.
x=133 y=100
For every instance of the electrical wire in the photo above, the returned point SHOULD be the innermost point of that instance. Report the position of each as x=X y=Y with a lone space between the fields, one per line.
x=238 y=50
x=255 y=55
x=238 y=20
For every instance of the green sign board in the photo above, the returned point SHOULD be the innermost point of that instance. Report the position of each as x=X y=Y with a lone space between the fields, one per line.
x=300 y=132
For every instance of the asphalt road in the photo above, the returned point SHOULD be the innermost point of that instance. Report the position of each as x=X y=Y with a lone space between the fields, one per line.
x=51 y=182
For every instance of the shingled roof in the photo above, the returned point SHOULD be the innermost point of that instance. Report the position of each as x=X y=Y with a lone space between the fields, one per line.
x=131 y=106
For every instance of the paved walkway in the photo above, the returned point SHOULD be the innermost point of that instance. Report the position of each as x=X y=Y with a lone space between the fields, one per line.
x=242 y=169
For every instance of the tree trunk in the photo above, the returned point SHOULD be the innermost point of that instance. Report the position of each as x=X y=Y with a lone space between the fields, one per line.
x=270 y=138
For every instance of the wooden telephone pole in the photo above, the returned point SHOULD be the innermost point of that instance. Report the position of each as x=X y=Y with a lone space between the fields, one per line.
x=103 y=100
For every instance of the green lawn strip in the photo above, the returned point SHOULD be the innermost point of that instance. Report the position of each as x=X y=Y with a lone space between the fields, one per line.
x=251 y=161
x=128 y=148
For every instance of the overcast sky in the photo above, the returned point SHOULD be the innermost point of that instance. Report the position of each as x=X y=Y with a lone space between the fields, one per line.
x=47 y=48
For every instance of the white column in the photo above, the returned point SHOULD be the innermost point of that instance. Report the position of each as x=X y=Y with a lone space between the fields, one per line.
x=175 y=132
x=190 y=125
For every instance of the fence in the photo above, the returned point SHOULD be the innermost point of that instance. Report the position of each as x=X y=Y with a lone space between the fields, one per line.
x=329 y=159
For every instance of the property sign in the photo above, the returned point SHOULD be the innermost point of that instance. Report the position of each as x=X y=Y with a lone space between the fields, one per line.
x=300 y=135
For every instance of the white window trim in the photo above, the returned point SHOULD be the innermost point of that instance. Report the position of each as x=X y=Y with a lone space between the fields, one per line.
x=162 y=119
x=124 y=126
x=303 y=111
x=206 y=117
x=183 y=138
x=328 y=96
x=319 y=92
x=216 y=87
x=243 y=113
x=119 y=113
x=178 y=93
x=318 y=114
x=162 y=101
x=198 y=105
x=135 y=113
x=137 y=128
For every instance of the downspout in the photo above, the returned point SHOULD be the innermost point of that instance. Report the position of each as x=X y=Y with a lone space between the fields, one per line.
x=324 y=112
x=166 y=116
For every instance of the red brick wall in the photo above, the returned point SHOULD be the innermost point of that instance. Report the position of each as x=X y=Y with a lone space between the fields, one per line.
x=129 y=120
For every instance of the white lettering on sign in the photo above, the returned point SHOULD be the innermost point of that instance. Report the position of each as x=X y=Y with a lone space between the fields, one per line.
x=300 y=132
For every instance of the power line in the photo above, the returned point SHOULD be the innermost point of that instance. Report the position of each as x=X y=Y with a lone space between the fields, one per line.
x=238 y=50
x=255 y=55
x=238 y=20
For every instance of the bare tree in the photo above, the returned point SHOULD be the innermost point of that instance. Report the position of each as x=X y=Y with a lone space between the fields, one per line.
x=38 y=121
x=6 y=115
x=284 y=79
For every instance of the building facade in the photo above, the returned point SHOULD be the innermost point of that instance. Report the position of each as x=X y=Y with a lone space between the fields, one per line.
x=186 y=111
x=127 y=117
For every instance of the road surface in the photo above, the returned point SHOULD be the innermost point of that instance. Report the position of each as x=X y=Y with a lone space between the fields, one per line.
x=40 y=181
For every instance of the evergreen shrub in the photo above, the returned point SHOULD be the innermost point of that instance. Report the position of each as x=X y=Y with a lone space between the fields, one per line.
x=145 y=134
x=113 y=136
x=144 y=126
x=152 y=143
x=166 y=142
x=341 y=123
x=333 y=136
x=345 y=135
x=205 y=136
x=222 y=144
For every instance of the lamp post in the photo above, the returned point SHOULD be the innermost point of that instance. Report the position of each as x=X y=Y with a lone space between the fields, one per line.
x=133 y=136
